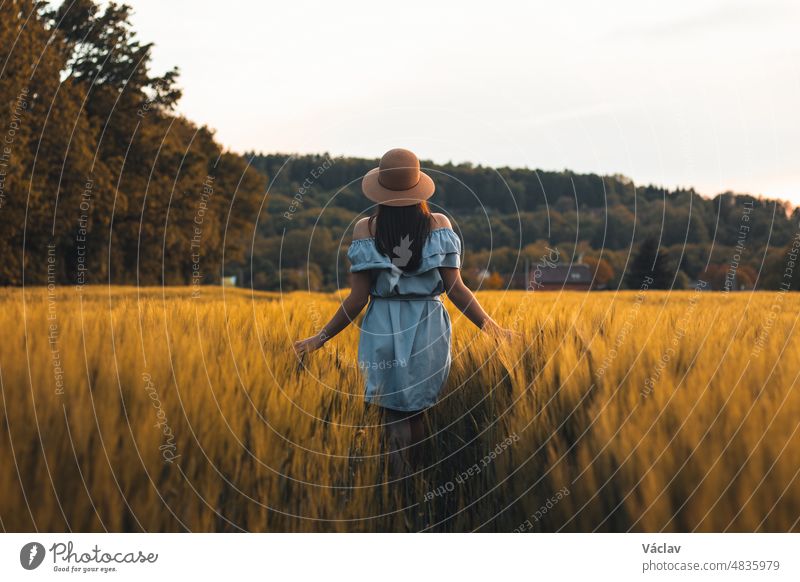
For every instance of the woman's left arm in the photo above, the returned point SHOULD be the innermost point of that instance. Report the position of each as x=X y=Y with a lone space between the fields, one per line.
x=355 y=302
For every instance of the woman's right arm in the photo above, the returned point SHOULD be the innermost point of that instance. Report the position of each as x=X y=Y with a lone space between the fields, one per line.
x=468 y=304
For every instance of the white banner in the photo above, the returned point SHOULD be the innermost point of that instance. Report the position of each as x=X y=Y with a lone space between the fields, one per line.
x=389 y=557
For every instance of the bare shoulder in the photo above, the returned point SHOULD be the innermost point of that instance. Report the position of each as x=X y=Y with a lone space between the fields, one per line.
x=440 y=220
x=361 y=229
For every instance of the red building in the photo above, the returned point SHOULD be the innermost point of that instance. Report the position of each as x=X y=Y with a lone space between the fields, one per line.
x=576 y=277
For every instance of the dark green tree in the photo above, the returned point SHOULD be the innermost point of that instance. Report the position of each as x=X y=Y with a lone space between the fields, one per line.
x=651 y=267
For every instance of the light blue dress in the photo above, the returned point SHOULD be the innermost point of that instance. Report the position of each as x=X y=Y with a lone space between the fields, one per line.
x=404 y=349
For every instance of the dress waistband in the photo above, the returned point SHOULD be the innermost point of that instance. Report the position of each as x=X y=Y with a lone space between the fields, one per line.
x=407 y=297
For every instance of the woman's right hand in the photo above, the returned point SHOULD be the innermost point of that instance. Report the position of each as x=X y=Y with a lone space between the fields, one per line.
x=492 y=328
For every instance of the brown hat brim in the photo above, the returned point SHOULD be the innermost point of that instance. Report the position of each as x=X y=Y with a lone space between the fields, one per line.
x=373 y=190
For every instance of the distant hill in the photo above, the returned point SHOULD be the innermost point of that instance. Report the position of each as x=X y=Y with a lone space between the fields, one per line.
x=515 y=212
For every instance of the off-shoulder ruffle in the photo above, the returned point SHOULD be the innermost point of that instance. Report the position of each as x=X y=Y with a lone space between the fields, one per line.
x=442 y=249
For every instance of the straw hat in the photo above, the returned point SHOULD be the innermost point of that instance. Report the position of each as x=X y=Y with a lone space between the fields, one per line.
x=398 y=181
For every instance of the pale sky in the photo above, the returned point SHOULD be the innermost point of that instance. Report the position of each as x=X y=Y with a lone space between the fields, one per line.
x=697 y=93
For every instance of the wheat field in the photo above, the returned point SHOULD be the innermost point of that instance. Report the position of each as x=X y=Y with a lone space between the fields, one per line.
x=151 y=409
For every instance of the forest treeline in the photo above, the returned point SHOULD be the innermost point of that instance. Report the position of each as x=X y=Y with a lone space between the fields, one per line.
x=102 y=181
x=509 y=216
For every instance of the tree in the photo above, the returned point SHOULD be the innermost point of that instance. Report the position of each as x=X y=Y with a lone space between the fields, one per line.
x=602 y=272
x=100 y=171
x=651 y=268
x=493 y=281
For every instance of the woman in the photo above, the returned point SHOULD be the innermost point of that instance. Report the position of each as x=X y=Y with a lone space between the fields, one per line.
x=402 y=259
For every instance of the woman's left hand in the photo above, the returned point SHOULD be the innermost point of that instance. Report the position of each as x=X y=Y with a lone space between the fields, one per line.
x=308 y=345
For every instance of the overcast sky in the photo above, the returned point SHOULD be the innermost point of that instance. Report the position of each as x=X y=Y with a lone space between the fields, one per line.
x=699 y=93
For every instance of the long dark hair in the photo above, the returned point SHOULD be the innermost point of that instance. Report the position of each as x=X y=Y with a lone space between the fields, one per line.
x=400 y=233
